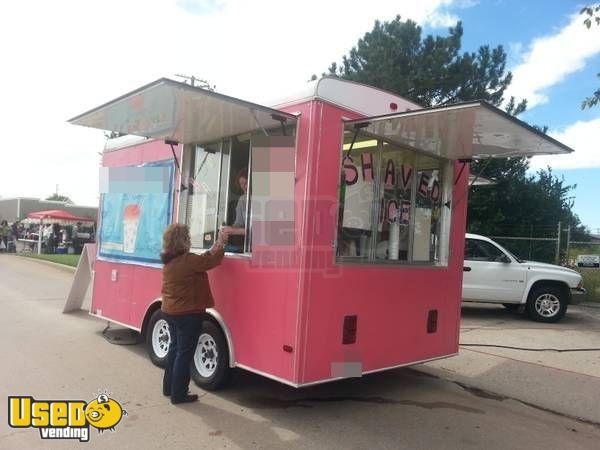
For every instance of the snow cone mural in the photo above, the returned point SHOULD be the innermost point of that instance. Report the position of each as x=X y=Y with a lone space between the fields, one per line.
x=131 y=221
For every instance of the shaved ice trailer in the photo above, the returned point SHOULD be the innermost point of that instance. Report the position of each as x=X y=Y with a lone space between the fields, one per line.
x=351 y=259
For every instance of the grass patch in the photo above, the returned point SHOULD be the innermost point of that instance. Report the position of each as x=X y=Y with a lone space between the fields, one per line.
x=67 y=260
x=591 y=282
x=591 y=276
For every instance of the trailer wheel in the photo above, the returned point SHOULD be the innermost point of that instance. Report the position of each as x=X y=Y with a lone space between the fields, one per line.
x=547 y=304
x=158 y=338
x=210 y=367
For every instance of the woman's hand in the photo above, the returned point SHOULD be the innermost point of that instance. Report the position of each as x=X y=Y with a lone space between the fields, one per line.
x=222 y=237
x=227 y=230
x=216 y=247
x=230 y=231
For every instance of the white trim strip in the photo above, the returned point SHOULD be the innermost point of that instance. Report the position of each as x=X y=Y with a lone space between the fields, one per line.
x=115 y=321
x=267 y=375
x=328 y=380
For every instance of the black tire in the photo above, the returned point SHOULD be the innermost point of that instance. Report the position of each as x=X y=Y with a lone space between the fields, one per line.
x=511 y=306
x=157 y=339
x=547 y=304
x=211 y=371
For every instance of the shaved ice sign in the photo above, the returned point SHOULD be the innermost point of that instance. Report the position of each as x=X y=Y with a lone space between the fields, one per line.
x=133 y=222
x=359 y=181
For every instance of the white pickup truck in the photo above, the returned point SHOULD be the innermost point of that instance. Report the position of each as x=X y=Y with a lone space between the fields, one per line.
x=494 y=275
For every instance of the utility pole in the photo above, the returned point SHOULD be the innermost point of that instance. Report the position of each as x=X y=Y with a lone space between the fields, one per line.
x=192 y=80
x=557 y=256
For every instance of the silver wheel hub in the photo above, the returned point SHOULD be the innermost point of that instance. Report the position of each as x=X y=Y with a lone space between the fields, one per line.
x=547 y=305
x=206 y=356
x=161 y=338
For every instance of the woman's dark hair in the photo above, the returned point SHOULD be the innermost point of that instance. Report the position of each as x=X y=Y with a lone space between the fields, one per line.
x=176 y=242
x=243 y=173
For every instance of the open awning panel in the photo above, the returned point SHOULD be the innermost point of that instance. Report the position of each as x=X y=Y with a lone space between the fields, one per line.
x=176 y=111
x=462 y=131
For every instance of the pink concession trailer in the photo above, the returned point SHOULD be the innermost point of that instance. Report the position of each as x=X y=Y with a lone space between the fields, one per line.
x=351 y=256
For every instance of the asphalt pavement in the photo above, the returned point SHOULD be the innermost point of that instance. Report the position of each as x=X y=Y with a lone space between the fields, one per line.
x=50 y=355
x=552 y=366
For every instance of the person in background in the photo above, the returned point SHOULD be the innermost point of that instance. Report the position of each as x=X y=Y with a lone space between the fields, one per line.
x=185 y=296
x=75 y=238
x=4 y=234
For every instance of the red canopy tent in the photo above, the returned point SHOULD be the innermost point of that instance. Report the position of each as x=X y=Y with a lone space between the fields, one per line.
x=57 y=216
x=54 y=216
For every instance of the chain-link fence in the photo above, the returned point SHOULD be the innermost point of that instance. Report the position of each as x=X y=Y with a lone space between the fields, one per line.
x=552 y=244
x=531 y=243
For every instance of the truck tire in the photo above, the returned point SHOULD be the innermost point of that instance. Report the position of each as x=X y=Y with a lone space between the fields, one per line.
x=210 y=366
x=158 y=339
x=547 y=303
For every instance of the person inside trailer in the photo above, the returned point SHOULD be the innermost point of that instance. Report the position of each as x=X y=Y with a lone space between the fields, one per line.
x=237 y=231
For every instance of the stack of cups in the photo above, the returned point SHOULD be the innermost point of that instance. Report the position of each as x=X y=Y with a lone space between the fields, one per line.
x=394 y=241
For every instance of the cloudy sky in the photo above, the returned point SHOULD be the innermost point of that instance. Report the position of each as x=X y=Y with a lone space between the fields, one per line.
x=64 y=57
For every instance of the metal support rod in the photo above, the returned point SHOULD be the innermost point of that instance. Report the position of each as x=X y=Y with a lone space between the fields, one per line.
x=557 y=256
x=530 y=242
x=354 y=136
x=521 y=238
x=258 y=123
x=40 y=236
x=462 y=197
x=568 y=241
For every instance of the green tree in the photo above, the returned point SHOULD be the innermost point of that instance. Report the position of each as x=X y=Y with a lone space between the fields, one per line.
x=592 y=16
x=432 y=71
x=59 y=198
x=522 y=204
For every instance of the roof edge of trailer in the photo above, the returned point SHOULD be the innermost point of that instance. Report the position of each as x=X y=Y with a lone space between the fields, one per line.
x=319 y=89
x=467 y=104
x=184 y=86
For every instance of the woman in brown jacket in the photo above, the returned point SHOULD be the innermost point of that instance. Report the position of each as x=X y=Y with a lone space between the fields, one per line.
x=185 y=296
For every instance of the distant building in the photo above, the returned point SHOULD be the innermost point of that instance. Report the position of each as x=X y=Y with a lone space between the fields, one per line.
x=12 y=209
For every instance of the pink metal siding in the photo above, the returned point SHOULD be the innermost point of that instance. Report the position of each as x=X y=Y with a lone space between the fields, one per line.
x=391 y=303
x=302 y=304
x=127 y=299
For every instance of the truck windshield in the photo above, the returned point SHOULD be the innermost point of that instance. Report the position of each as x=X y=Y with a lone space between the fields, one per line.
x=519 y=260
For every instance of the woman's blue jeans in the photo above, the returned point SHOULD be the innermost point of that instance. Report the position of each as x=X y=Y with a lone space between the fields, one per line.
x=185 y=331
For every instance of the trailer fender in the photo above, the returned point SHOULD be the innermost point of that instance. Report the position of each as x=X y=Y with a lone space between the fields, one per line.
x=219 y=319
x=216 y=316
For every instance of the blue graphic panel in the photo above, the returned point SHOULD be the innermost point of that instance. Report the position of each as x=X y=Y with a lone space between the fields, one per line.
x=133 y=223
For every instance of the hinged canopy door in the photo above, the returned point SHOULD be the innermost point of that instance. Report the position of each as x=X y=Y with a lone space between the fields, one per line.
x=167 y=109
x=462 y=131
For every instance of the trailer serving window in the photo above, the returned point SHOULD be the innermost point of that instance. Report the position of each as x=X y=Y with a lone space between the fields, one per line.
x=391 y=202
x=218 y=189
x=216 y=132
x=213 y=196
x=397 y=176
